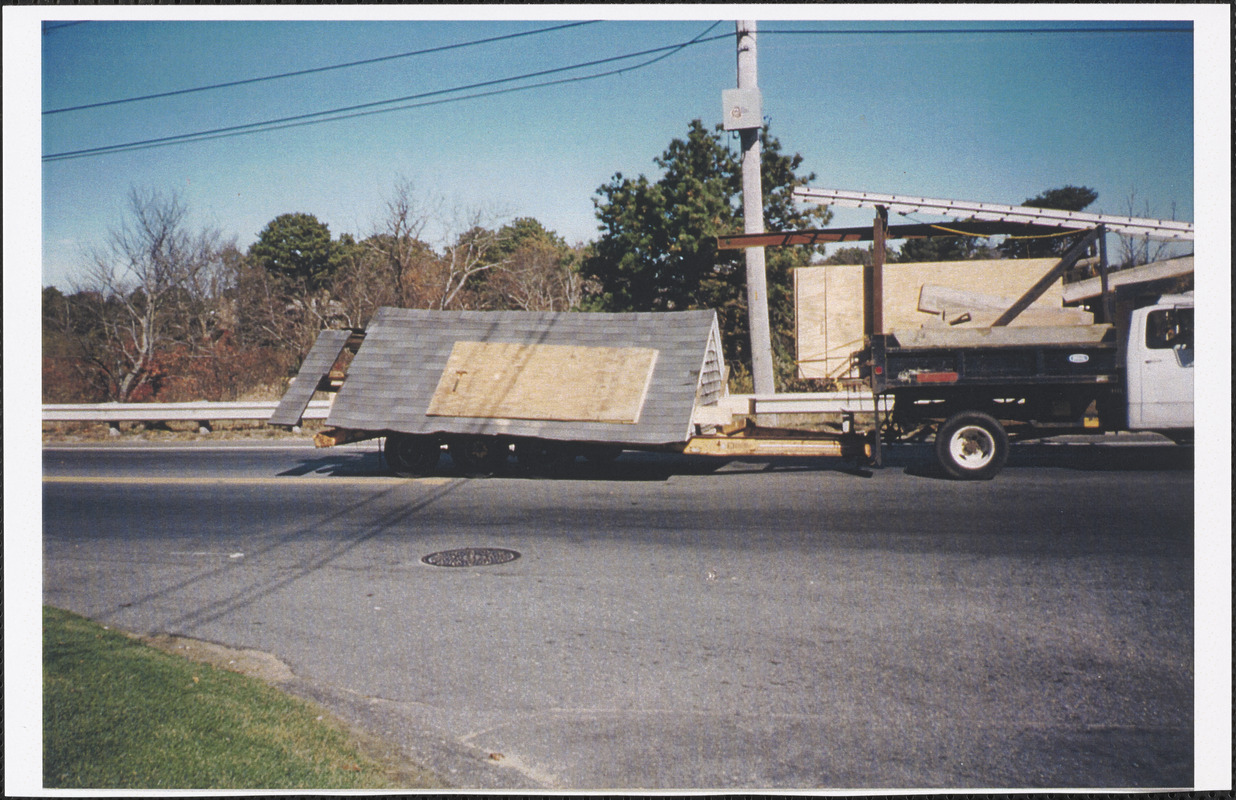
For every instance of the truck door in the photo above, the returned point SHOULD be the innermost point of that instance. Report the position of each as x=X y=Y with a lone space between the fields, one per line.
x=1162 y=368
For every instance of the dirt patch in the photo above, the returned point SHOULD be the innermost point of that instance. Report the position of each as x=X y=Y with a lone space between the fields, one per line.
x=269 y=669
x=253 y=663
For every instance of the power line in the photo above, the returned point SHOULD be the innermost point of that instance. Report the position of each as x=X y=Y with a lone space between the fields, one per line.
x=315 y=70
x=443 y=101
x=367 y=109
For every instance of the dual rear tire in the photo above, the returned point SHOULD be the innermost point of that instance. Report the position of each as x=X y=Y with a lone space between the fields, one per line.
x=411 y=456
x=416 y=456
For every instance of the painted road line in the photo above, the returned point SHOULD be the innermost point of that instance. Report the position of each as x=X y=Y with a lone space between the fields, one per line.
x=319 y=482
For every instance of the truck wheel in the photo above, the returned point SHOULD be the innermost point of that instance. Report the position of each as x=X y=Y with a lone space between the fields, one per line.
x=972 y=446
x=411 y=456
x=543 y=457
x=479 y=456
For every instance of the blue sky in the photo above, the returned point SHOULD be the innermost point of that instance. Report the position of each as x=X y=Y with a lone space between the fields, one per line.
x=997 y=117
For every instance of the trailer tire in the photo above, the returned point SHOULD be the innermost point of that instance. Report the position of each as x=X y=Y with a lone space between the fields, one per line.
x=972 y=446
x=541 y=457
x=479 y=456
x=411 y=456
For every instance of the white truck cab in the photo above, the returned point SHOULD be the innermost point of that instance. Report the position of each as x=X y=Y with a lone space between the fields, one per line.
x=1159 y=356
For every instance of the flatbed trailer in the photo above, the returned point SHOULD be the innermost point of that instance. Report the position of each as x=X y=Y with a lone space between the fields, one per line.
x=545 y=388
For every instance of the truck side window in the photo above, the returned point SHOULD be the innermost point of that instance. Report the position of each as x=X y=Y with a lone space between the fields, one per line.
x=1168 y=328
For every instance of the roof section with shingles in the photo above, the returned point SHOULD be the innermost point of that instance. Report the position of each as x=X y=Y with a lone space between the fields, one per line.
x=397 y=369
x=317 y=364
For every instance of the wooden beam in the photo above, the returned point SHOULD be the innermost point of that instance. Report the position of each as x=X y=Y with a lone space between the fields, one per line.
x=332 y=437
x=842 y=446
x=1044 y=283
x=1147 y=273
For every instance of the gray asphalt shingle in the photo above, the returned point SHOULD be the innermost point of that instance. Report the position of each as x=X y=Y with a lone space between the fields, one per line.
x=396 y=371
x=317 y=364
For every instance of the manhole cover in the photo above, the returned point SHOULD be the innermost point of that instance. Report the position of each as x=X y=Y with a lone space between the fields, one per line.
x=470 y=557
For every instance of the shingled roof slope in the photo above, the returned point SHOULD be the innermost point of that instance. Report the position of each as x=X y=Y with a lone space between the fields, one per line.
x=394 y=375
x=317 y=364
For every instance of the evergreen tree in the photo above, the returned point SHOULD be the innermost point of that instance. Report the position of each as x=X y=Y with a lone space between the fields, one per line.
x=297 y=247
x=658 y=245
x=1066 y=198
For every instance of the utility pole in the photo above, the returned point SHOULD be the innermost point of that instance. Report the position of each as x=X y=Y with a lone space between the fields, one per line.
x=753 y=212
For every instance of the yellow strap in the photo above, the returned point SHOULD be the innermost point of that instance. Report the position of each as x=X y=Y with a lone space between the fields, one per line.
x=982 y=236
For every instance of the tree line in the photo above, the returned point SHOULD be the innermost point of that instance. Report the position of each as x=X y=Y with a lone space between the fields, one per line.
x=166 y=312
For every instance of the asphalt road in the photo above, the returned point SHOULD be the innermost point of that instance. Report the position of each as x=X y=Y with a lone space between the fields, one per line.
x=677 y=623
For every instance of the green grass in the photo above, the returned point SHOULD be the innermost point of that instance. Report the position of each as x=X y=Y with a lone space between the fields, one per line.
x=120 y=715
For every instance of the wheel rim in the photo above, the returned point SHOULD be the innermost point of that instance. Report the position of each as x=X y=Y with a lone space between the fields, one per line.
x=972 y=447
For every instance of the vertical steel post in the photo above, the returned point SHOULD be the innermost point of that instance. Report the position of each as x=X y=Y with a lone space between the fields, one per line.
x=1104 y=289
x=753 y=222
x=878 y=238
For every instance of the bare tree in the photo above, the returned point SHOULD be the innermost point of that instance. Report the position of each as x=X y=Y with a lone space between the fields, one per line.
x=475 y=252
x=398 y=244
x=1134 y=251
x=538 y=276
x=418 y=275
x=153 y=277
x=273 y=311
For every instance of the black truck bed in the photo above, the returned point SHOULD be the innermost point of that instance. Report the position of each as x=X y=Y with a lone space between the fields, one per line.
x=990 y=357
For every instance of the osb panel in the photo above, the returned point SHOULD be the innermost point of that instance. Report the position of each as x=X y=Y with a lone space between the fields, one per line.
x=828 y=302
x=544 y=382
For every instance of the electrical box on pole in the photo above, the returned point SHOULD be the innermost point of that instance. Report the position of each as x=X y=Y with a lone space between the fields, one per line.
x=741 y=109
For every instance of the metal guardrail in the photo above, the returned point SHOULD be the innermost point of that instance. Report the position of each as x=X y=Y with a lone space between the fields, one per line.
x=202 y=412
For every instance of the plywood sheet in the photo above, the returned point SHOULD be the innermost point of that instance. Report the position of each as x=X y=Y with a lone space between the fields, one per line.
x=829 y=302
x=495 y=380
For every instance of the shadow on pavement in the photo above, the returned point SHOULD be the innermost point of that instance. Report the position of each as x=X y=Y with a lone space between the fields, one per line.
x=339 y=464
x=917 y=460
x=634 y=466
